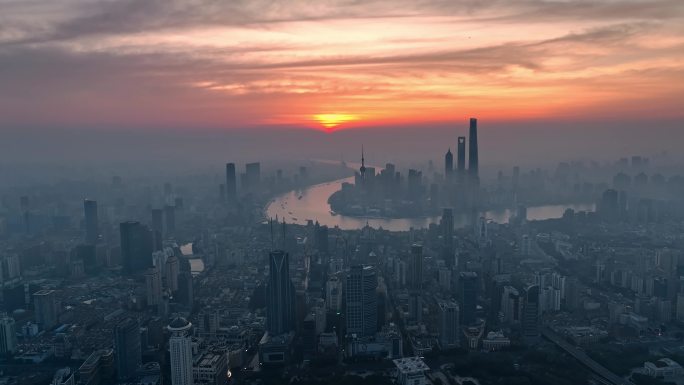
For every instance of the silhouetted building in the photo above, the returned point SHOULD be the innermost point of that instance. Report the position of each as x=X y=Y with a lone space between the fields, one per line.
x=468 y=290
x=252 y=175
x=231 y=182
x=136 y=247
x=473 y=160
x=97 y=368
x=447 y=225
x=609 y=207
x=185 y=293
x=415 y=184
x=128 y=349
x=361 y=301
x=157 y=228
x=153 y=286
x=449 y=326
x=280 y=295
x=8 y=335
x=448 y=165
x=91 y=225
x=45 y=307
x=87 y=255
x=416 y=267
x=322 y=243
x=461 y=155
x=530 y=312
x=515 y=179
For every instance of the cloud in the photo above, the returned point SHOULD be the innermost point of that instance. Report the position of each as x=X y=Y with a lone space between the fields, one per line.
x=172 y=62
x=81 y=18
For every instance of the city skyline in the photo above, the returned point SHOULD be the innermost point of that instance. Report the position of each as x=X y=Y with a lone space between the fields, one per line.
x=414 y=192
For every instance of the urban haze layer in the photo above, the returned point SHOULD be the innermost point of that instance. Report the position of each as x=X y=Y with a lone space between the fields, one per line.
x=569 y=274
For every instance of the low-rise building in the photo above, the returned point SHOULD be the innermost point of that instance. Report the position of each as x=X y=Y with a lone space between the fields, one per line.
x=210 y=368
x=276 y=350
x=665 y=369
x=495 y=341
x=411 y=371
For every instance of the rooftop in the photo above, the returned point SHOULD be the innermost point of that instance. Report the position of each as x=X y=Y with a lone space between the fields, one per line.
x=179 y=323
x=410 y=365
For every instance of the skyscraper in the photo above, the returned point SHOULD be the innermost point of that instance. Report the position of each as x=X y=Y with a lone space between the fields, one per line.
x=473 y=160
x=416 y=267
x=231 y=182
x=415 y=184
x=530 y=312
x=252 y=175
x=136 y=247
x=128 y=350
x=449 y=327
x=185 y=290
x=171 y=270
x=8 y=334
x=510 y=304
x=447 y=225
x=448 y=165
x=362 y=301
x=322 y=243
x=153 y=289
x=91 y=226
x=180 y=349
x=416 y=283
x=333 y=294
x=45 y=308
x=280 y=295
x=609 y=208
x=461 y=155
x=468 y=288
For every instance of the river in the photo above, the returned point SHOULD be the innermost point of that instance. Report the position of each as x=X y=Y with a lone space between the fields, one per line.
x=196 y=264
x=312 y=203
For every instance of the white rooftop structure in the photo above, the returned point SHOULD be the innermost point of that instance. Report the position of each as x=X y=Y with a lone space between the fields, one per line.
x=411 y=371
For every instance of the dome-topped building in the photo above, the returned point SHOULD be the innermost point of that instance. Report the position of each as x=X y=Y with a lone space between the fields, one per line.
x=180 y=348
x=179 y=324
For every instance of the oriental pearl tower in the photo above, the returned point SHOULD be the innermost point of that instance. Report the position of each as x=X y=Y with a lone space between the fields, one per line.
x=362 y=170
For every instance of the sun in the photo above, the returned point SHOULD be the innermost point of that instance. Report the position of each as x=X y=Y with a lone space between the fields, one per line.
x=330 y=121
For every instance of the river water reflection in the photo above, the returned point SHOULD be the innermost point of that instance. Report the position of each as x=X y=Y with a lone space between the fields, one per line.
x=312 y=203
x=196 y=264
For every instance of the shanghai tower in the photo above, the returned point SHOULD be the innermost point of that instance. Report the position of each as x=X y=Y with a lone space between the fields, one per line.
x=473 y=168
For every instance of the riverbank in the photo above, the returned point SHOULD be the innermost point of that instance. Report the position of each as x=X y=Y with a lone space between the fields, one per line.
x=312 y=204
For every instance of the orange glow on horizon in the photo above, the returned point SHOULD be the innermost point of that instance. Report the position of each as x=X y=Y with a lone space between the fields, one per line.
x=331 y=121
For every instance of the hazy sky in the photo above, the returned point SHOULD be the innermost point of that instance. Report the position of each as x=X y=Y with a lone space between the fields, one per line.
x=171 y=64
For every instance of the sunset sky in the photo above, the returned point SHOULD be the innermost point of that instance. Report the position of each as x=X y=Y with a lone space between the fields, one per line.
x=336 y=64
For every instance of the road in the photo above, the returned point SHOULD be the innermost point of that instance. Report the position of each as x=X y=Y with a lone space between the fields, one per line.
x=584 y=358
